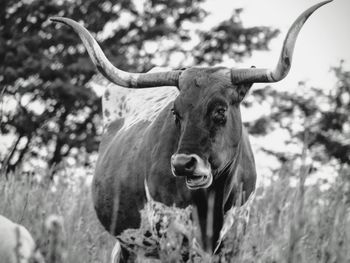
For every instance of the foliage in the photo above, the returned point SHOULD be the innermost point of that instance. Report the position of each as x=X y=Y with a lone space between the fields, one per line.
x=322 y=113
x=167 y=233
x=48 y=105
x=230 y=38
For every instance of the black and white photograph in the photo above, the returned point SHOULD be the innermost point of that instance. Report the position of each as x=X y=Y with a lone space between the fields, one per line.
x=214 y=131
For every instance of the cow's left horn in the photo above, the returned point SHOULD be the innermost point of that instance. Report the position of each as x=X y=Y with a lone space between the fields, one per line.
x=284 y=63
x=117 y=76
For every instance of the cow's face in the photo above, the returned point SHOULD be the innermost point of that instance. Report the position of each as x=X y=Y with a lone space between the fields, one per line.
x=208 y=119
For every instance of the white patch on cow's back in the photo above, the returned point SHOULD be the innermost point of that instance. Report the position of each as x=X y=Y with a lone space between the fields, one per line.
x=134 y=105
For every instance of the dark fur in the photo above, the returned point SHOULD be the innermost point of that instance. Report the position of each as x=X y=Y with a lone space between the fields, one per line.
x=144 y=151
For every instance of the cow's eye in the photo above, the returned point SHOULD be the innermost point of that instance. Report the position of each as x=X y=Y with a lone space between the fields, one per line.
x=219 y=115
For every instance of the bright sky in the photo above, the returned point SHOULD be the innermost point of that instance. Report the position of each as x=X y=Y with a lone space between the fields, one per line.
x=322 y=42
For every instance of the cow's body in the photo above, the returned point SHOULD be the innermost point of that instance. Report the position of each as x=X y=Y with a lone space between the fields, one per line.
x=131 y=153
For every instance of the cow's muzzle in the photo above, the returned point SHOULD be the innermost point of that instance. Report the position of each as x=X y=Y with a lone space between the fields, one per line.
x=195 y=169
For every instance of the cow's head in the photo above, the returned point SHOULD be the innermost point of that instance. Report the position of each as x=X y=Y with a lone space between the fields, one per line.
x=208 y=120
x=206 y=112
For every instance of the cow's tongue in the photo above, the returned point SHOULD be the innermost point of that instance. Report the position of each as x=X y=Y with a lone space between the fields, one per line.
x=192 y=179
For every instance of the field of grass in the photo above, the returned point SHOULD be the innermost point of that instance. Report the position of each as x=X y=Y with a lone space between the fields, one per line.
x=283 y=223
x=301 y=224
x=30 y=204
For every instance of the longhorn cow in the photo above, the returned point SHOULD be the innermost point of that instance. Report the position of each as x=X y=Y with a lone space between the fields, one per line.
x=196 y=147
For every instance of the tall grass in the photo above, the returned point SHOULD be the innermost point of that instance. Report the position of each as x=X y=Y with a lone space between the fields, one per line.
x=301 y=224
x=282 y=224
x=32 y=204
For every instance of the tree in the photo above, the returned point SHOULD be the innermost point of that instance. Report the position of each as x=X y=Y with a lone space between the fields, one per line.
x=232 y=39
x=46 y=72
x=321 y=113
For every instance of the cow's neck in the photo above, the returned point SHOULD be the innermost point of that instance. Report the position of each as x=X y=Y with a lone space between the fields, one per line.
x=232 y=179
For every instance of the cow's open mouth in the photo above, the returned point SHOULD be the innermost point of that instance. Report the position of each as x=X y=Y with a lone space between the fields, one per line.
x=199 y=181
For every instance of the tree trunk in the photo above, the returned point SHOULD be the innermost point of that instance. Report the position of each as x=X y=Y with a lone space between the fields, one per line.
x=6 y=167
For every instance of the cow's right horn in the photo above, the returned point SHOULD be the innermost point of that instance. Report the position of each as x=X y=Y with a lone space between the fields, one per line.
x=252 y=75
x=117 y=76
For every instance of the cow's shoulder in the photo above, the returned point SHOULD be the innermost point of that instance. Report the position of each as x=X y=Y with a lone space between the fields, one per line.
x=132 y=105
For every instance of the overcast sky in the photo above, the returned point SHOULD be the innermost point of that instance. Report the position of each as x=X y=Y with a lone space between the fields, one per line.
x=322 y=42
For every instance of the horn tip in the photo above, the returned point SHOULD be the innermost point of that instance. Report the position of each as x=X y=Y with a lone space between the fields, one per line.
x=326 y=2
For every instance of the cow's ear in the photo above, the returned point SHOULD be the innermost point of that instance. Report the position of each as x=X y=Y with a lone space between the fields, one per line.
x=242 y=90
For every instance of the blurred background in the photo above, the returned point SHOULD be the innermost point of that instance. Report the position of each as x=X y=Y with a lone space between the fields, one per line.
x=51 y=117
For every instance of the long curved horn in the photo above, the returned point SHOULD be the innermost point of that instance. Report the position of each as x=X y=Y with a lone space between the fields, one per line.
x=117 y=76
x=284 y=63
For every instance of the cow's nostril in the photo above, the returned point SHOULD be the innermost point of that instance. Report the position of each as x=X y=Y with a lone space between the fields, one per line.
x=191 y=164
